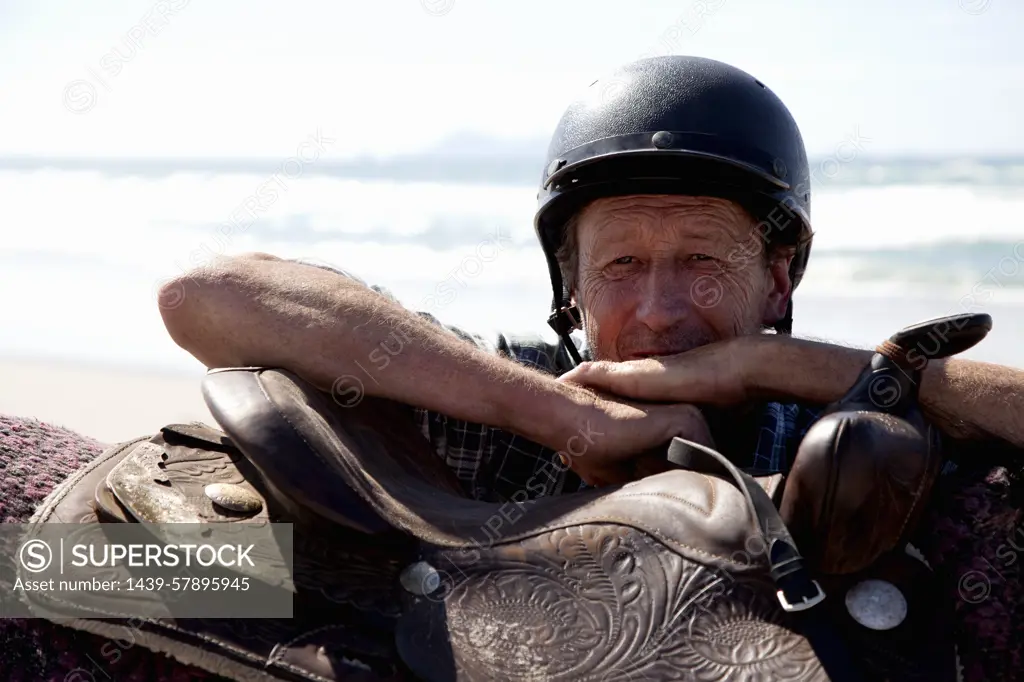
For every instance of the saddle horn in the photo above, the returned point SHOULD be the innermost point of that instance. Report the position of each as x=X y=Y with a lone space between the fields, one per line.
x=863 y=471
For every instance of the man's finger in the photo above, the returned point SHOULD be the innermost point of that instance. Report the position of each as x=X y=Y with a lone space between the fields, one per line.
x=648 y=379
x=577 y=373
x=624 y=379
x=594 y=374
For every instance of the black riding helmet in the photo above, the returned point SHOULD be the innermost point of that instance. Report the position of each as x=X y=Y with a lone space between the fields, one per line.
x=676 y=125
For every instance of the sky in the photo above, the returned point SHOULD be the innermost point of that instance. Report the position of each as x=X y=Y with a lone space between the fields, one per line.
x=240 y=78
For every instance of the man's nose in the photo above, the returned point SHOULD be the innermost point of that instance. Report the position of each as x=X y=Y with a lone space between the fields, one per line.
x=665 y=300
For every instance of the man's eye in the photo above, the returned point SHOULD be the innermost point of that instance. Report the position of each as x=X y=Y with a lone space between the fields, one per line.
x=624 y=260
x=701 y=257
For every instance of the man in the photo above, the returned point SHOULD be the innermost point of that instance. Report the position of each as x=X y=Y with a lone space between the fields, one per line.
x=675 y=217
x=677 y=214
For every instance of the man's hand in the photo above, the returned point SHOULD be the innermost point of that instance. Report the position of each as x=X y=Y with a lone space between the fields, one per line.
x=622 y=441
x=715 y=374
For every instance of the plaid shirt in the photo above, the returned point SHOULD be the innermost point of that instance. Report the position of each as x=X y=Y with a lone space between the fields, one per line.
x=494 y=464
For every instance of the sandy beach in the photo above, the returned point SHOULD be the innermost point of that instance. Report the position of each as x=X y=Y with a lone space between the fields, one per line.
x=110 y=404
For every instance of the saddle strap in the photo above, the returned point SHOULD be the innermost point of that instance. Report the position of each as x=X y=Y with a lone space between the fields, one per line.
x=798 y=593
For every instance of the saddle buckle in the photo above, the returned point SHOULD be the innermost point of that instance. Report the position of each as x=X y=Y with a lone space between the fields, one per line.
x=805 y=603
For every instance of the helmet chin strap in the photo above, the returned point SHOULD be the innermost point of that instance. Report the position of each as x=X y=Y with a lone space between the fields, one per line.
x=564 y=321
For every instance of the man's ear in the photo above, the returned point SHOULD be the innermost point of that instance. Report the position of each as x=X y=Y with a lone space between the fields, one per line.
x=780 y=288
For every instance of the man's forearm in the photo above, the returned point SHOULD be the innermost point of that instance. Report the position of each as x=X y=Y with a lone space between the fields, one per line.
x=345 y=338
x=964 y=398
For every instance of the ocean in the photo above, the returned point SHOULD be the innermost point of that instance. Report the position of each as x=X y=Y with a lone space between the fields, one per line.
x=86 y=243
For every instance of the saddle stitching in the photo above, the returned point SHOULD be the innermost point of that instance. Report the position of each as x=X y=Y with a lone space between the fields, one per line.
x=639 y=526
x=669 y=496
x=711 y=489
x=921 y=485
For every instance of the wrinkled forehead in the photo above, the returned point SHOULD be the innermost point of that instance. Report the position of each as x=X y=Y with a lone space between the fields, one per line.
x=661 y=217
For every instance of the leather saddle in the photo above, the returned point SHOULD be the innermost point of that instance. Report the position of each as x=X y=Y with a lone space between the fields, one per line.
x=694 y=573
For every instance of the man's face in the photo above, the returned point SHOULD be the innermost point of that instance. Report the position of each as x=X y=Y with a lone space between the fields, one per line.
x=660 y=275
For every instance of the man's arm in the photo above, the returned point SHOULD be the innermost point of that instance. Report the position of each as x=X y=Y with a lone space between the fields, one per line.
x=966 y=399
x=263 y=311
x=336 y=333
